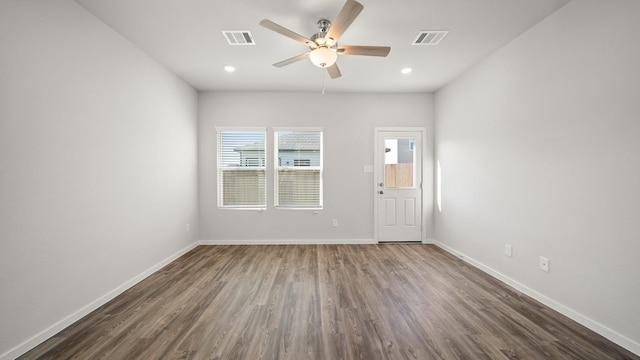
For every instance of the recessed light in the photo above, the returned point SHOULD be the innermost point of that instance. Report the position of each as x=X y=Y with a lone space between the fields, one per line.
x=406 y=70
x=229 y=68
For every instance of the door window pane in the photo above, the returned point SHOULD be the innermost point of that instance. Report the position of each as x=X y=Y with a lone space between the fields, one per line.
x=399 y=163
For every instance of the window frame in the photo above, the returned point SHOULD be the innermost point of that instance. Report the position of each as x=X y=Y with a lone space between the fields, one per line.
x=220 y=169
x=277 y=165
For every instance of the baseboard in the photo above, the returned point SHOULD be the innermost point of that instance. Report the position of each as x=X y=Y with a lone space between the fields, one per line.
x=610 y=334
x=64 y=323
x=289 y=242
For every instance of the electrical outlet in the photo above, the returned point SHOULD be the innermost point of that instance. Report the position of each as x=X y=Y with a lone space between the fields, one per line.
x=188 y=227
x=334 y=223
x=544 y=264
x=508 y=250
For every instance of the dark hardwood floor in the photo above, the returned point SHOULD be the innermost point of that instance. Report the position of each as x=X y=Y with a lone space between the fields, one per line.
x=396 y=301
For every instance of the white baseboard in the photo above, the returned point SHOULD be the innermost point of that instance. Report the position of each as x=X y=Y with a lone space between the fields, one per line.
x=289 y=242
x=64 y=323
x=610 y=334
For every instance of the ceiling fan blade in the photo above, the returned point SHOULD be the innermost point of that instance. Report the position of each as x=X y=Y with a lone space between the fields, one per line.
x=333 y=71
x=345 y=17
x=286 y=32
x=291 y=60
x=364 y=50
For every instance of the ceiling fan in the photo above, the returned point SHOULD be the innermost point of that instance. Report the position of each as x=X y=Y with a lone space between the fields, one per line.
x=324 y=44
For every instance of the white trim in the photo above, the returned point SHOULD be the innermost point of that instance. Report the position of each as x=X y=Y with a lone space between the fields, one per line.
x=297 y=128
x=298 y=208
x=591 y=324
x=289 y=242
x=240 y=128
x=80 y=313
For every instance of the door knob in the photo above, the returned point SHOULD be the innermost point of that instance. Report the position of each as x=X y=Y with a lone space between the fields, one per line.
x=381 y=184
x=381 y=192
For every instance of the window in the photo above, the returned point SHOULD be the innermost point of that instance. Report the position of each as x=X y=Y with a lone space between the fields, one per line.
x=242 y=168
x=298 y=175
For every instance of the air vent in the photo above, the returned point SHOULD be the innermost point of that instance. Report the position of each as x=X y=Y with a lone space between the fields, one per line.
x=431 y=37
x=238 y=37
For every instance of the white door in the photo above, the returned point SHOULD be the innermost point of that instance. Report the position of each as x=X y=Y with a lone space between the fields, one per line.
x=398 y=172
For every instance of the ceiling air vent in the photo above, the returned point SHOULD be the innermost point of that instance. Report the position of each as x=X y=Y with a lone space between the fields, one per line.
x=431 y=37
x=238 y=37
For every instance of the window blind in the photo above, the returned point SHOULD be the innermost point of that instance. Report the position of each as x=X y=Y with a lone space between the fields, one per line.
x=242 y=168
x=298 y=175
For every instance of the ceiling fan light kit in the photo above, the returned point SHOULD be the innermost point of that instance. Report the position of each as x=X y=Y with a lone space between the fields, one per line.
x=323 y=45
x=323 y=57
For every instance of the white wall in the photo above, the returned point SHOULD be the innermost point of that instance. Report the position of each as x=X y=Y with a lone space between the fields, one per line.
x=98 y=162
x=348 y=121
x=539 y=147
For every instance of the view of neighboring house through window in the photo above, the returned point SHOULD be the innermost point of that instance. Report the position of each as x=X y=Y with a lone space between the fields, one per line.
x=242 y=168
x=298 y=175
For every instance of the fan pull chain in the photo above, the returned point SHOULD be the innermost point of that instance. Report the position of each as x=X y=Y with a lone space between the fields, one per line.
x=323 y=76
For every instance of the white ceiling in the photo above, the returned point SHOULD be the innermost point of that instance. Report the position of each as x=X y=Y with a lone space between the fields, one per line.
x=185 y=36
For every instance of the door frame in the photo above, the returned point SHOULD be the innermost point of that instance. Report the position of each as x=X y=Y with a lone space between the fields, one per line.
x=378 y=172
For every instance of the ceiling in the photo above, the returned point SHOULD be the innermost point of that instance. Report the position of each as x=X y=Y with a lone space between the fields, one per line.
x=186 y=37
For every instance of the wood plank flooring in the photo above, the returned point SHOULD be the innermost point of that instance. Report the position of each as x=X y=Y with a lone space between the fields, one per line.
x=395 y=301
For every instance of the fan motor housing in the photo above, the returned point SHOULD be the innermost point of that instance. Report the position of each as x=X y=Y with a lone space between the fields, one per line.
x=323 y=25
x=319 y=37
